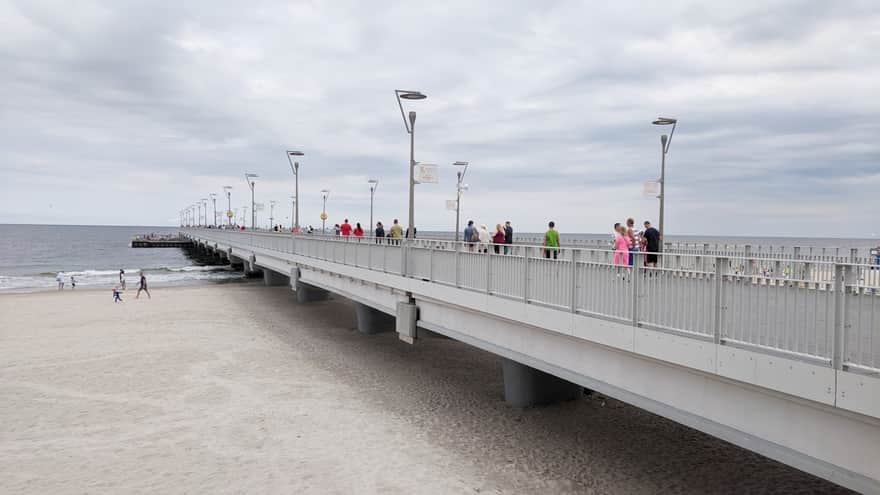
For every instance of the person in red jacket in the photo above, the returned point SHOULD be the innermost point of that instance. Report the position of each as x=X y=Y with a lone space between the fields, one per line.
x=345 y=228
x=358 y=231
x=498 y=238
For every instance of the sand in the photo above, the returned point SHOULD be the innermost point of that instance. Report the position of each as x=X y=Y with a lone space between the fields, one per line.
x=239 y=389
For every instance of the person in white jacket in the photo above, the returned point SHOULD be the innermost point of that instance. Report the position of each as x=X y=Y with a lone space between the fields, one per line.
x=485 y=239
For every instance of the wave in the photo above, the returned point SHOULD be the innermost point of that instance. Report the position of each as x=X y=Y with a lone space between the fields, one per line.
x=131 y=272
x=108 y=278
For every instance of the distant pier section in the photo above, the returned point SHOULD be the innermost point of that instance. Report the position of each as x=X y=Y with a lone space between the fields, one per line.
x=160 y=241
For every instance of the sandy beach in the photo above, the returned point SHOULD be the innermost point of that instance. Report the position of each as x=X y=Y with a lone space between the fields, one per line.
x=239 y=389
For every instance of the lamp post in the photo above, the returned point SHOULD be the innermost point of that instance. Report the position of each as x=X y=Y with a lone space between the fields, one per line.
x=459 y=186
x=214 y=199
x=294 y=167
x=272 y=214
x=248 y=177
x=198 y=206
x=292 y=209
x=205 y=205
x=664 y=148
x=374 y=184
x=244 y=210
x=325 y=192
x=410 y=128
x=228 y=190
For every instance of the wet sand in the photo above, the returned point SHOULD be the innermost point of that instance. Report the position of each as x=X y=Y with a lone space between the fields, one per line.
x=239 y=389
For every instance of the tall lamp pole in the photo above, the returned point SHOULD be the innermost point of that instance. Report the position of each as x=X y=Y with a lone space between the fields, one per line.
x=214 y=199
x=459 y=186
x=664 y=149
x=249 y=178
x=410 y=128
x=272 y=214
x=294 y=167
x=199 y=213
x=325 y=192
x=228 y=190
x=205 y=204
x=374 y=184
x=292 y=209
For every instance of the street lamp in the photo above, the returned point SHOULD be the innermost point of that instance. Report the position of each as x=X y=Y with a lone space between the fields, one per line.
x=292 y=209
x=410 y=128
x=664 y=148
x=214 y=199
x=248 y=178
x=294 y=167
x=205 y=204
x=244 y=210
x=325 y=192
x=228 y=190
x=198 y=206
x=272 y=214
x=460 y=186
x=374 y=184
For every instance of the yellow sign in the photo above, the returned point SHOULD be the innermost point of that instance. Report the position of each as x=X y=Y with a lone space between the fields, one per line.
x=229 y=213
x=323 y=216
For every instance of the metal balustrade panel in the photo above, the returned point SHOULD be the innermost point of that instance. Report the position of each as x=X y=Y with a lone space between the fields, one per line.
x=550 y=282
x=443 y=265
x=472 y=270
x=507 y=276
x=604 y=290
x=862 y=318
x=677 y=299
x=418 y=262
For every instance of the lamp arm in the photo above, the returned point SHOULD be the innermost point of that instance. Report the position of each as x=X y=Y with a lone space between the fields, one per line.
x=403 y=115
x=668 y=143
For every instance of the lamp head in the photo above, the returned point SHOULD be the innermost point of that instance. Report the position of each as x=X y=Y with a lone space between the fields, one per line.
x=373 y=181
x=664 y=121
x=227 y=188
x=413 y=95
x=663 y=140
x=295 y=153
x=412 y=118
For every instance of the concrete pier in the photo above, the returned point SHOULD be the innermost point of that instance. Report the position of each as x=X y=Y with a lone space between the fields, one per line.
x=274 y=279
x=407 y=315
x=309 y=293
x=526 y=386
x=370 y=320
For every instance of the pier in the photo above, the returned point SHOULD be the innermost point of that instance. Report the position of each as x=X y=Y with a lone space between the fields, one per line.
x=160 y=241
x=784 y=362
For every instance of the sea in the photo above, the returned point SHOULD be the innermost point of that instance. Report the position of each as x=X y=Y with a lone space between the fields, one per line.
x=32 y=255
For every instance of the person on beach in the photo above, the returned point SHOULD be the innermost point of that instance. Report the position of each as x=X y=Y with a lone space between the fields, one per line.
x=142 y=286
x=508 y=236
x=551 y=241
x=396 y=232
x=116 y=295
x=358 y=231
x=498 y=238
x=652 y=244
x=60 y=279
x=632 y=237
x=72 y=282
x=380 y=232
x=345 y=228
x=122 y=278
x=471 y=235
x=621 y=245
x=485 y=239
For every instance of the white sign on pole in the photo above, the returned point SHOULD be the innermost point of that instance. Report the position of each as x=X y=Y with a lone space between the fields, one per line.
x=426 y=173
x=452 y=204
x=652 y=188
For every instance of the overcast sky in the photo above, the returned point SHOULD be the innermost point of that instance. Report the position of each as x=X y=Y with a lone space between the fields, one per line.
x=124 y=112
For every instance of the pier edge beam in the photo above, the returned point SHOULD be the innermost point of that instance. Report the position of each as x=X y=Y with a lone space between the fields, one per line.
x=273 y=279
x=372 y=321
x=309 y=293
x=407 y=315
x=526 y=386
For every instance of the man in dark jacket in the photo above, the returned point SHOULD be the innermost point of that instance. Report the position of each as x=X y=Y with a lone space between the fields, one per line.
x=508 y=236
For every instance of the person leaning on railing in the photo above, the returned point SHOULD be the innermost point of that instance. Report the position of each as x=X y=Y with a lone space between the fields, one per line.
x=551 y=241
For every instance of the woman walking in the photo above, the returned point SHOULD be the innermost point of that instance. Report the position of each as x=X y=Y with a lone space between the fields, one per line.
x=498 y=238
x=358 y=231
x=142 y=286
x=621 y=246
x=485 y=239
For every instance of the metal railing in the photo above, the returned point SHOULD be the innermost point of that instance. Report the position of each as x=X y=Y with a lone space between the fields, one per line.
x=821 y=312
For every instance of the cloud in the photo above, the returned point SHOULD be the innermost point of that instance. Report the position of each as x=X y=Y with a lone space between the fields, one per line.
x=126 y=112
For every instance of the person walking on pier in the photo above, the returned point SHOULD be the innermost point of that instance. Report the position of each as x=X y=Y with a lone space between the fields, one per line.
x=60 y=279
x=652 y=244
x=380 y=232
x=621 y=245
x=632 y=238
x=142 y=286
x=551 y=241
x=485 y=239
x=508 y=236
x=345 y=228
x=358 y=231
x=396 y=232
x=498 y=238
x=471 y=236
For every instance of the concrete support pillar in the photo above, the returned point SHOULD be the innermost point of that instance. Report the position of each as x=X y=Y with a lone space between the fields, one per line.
x=371 y=320
x=250 y=267
x=274 y=279
x=309 y=293
x=527 y=386
x=407 y=315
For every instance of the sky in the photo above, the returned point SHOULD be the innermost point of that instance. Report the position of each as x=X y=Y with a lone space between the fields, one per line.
x=125 y=112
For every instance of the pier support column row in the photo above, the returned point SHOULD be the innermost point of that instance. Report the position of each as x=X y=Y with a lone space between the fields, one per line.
x=370 y=320
x=527 y=386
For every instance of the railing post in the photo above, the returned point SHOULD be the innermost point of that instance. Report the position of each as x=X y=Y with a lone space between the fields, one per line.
x=635 y=288
x=718 y=305
x=839 y=341
x=403 y=256
x=457 y=263
x=574 y=260
x=526 y=250
x=489 y=270
x=431 y=262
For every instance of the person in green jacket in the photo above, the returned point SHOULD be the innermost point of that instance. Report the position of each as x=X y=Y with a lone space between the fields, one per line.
x=551 y=241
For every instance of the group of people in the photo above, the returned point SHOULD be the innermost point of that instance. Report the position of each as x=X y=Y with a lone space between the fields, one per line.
x=117 y=289
x=394 y=234
x=629 y=240
x=502 y=237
